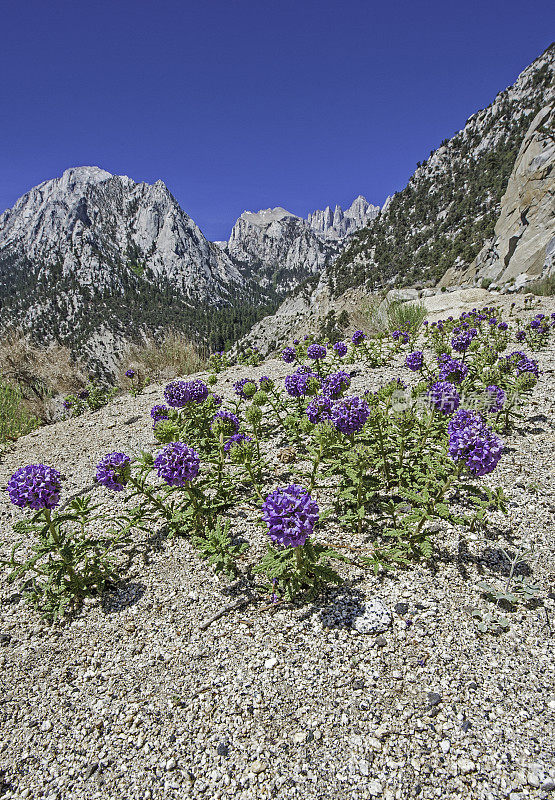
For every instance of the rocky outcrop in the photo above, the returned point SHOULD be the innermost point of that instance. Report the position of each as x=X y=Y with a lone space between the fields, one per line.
x=446 y=213
x=335 y=225
x=89 y=222
x=277 y=248
x=524 y=242
x=280 y=249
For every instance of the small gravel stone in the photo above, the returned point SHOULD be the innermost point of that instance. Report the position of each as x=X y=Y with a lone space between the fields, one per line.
x=374 y=617
x=259 y=766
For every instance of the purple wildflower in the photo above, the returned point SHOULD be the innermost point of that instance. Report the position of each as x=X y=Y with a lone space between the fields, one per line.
x=340 y=348
x=415 y=361
x=290 y=514
x=471 y=441
x=319 y=409
x=113 y=471
x=350 y=414
x=177 y=464
x=302 y=382
x=358 y=337
x=266 y=384
x=288 y=355
x=496 y=399
x=502 y=326
x=336 y=384
x=130 y=373
x=462 y=342
x=159 y=412
x=520 y=336
x=316 y=352
x=444 y=397
x=226 y=421
x=236 y=439
x=451 y=369
x=178 y=393
x=35 y=486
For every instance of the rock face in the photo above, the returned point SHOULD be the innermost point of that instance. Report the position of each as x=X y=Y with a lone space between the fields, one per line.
x=89 y=221
x=335 y=225
x=277 y=248
x=91 y=259
x=280 y=249
x=447 y=212
x=523 y=246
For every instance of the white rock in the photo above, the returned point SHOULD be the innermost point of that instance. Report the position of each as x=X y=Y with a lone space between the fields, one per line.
x=466 y=765
x=374 y=617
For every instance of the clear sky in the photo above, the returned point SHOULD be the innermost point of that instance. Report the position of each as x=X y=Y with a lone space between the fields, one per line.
x=246 y=104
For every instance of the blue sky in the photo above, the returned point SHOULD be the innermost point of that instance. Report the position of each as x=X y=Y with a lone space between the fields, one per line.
x=244 y=104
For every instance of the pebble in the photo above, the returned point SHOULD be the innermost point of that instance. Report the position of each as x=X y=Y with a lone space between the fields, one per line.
x=373 y=617
x=270 y=663
x=466 y=765
x=259 y=766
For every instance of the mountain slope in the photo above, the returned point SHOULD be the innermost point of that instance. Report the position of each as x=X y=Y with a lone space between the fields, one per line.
x=448 y=209
x=280 y=250
x=523 y=246
x=91 y=258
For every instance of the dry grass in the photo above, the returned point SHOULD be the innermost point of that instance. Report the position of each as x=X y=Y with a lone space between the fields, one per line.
x=39 y=373
x=159 y=359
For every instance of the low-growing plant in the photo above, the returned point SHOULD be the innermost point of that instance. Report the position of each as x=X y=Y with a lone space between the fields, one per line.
x=67 y=561
x=390 y=463
x=15 y=419
x=405 y=316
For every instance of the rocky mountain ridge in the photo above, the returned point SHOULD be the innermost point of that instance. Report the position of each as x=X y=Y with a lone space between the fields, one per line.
x=92 y=258
x=448 y=210
x=281 y=249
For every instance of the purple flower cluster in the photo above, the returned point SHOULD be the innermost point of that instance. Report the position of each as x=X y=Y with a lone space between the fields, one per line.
x=316 y=352
x=236 y=439
x=358 y=337
x=266 y=384
x=159 y=412
x=178 y=393
x=415 y=361
x=245 y=388
x=319 y=409
x=130 y=373
x=350 y=414
x=177 y=464
x=35 y=486
x=288 y=355
x=113 y=471
x=471 y=441
x=496 y=399
x=451 y=369
x=302 y=382
x=444 y=397
x=461 y=342
x=290 y=514
x=228 y=422
x=401 y=336
x=336 y=384
x=340 y=348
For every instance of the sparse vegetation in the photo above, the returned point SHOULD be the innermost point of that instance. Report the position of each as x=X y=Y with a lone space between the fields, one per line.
x=544 y=287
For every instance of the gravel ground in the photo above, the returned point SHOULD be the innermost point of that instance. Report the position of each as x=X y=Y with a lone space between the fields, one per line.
x=132 y=698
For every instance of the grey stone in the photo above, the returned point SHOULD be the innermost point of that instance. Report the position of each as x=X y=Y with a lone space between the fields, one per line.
x=374 y=617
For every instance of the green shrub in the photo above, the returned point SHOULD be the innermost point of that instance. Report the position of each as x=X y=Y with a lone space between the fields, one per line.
x=544 y=287
x=486 y=283
x=15 y=419
x=404 y=316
